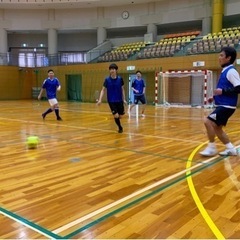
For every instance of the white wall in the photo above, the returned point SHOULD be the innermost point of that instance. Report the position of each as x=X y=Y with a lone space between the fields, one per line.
x=231 y=7
x=165 y=12
x=65 y=20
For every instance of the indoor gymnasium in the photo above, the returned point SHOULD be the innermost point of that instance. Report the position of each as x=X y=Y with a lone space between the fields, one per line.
x=119 y=119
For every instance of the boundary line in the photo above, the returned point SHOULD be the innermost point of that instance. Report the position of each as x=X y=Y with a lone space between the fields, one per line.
x=162 y=181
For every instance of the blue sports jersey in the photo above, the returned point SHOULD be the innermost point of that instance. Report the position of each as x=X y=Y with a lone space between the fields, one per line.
x=138 y=85
x=230 y=100
x=114 y=89
x=51 y=86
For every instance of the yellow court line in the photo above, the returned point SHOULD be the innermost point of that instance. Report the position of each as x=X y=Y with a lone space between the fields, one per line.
x=128 y=197
x=198 y=202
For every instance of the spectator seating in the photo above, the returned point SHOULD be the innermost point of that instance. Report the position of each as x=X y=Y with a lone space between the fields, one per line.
x=213 y=42
x=168 y=45
x=122 y=52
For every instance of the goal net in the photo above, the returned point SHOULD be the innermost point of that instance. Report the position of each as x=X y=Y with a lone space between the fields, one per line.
x=183 y=88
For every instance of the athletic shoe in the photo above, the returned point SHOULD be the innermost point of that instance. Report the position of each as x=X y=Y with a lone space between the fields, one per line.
x=43 y=116
x=142 y=115
x=209 y=152
x=120 y=130
x=229 y=152
x=59 y=119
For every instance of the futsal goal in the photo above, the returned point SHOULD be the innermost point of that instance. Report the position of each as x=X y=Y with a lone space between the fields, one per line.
x=190 y=88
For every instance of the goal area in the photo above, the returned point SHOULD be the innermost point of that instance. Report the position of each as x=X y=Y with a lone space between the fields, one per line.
x=183 y=88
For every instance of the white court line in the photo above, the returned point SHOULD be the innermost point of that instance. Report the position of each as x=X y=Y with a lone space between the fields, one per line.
x=25 y=224
x=92 y=214
x=101 y=130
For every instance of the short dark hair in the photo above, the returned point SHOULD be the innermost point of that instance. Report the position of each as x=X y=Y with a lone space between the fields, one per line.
x=138 y=71
x=230 y=52
x=113 y=66
x=50 y=70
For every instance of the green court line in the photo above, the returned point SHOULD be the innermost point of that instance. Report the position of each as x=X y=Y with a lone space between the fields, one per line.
x=140 y=199
x=30 y=224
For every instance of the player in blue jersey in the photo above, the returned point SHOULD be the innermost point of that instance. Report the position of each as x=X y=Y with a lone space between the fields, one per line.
x=225 y=98
x=51 y=85
x=138 y=87
x=114 y=85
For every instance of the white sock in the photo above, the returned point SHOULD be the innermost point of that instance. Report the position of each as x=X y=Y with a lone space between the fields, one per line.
x=212 y=144
x=229 y=145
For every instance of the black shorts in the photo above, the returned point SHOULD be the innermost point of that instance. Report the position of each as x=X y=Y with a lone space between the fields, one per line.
x=117 y=107
x=140 y=98
x=221 y=115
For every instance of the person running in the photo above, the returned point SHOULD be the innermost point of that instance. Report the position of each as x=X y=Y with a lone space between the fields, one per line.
x=51 y=85
x=138 y=87
x=225 y=97
x=114 y=85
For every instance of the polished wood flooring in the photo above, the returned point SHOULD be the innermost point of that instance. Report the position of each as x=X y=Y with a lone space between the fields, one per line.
x=87 y=181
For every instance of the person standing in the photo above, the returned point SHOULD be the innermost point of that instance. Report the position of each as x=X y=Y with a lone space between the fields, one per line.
x=225 y=97
x=51 y=85
x=114 y=85
x=138 y=87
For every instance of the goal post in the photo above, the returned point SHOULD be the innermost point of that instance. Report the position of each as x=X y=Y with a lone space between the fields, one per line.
x=184 y=88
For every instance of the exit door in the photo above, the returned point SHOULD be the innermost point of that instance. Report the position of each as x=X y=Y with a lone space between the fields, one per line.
x=74 y=87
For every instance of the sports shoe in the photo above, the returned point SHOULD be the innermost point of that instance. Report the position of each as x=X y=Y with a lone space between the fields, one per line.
x=43 y=116
x=209 y=152
x=142 y=115
x=59 y=119
x=120 y=130
x=229 y=152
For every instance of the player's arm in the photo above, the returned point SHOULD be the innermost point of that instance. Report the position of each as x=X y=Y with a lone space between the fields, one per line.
x=144 y=88
x=234 y=78
x=40 y=94
x=231 y=91
x=227 y=91
x=123 y=95
x=133 y=85
x=59 y=88
x=101 y=96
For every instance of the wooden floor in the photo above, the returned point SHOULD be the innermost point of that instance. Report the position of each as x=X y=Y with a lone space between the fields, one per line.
x=86 y=181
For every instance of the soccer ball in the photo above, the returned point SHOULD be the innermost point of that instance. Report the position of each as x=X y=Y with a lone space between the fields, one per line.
x=32 y=142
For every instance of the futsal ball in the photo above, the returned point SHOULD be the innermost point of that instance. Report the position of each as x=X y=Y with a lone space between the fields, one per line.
x=32 y=142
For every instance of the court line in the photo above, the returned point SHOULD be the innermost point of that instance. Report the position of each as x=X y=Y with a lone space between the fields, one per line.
x=195 y=196
x=97 y=129
x=29 y=224
x=130 y=204
x=180 y=172
x=109 y=206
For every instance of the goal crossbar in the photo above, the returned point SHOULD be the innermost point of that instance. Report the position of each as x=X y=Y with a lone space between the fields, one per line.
x=183 y=88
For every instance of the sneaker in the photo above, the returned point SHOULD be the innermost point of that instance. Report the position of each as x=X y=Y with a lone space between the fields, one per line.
x=120 y=130
x=142 y=115
x=59 y=119
x=229 y=152
x=209 y=152
x=43 y=116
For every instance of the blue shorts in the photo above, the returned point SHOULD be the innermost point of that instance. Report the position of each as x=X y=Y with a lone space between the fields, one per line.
x=140 y=98
x=221 y=115
x=117 y=107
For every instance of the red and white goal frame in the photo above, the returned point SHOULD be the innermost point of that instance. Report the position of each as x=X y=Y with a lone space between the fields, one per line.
x=197 y=86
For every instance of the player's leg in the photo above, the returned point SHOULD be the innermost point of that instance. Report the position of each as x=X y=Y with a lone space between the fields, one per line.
x=54 y=102
x=135 y=102
x=49 y=110
x=211 y=149
x=226 y=113
x=114 y=110
x=143 y=101
x=117 y=111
